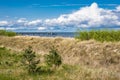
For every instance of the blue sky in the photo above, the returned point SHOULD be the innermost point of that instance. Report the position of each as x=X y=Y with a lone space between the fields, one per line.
x=58 y=15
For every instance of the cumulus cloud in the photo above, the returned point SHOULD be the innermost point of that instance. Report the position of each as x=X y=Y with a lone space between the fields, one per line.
x=89 y=16
x=86 y=17
x=3 y=23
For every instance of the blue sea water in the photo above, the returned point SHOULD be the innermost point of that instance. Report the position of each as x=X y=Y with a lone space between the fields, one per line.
x=48 y=34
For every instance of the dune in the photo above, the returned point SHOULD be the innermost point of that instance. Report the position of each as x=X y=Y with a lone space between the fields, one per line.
x=90 y=54
x=73 y=51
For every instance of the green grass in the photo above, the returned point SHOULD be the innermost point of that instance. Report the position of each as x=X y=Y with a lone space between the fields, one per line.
x=8 y=59
x=7 y=33
x=9 y=62
x=99 y=35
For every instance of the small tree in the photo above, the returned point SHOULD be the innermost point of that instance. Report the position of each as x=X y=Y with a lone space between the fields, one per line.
x=29 y=60
x=53 y=59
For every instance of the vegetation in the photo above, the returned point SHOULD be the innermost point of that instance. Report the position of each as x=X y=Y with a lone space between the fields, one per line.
x=53 y=59
x=81 y=60
x=29 y=60
x=11 y=69
x=8 y=59
x=99 y=35
x=9 y=64
x=7 y=33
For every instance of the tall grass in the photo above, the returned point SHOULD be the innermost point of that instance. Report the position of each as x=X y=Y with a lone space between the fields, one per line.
x=99 y=35
x=7 y=33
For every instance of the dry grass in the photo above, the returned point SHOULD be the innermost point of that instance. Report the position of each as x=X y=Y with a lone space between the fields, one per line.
x=95 y=55
x=69 y=48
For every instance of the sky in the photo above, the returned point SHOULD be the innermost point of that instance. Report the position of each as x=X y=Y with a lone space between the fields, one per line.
x=59 y=15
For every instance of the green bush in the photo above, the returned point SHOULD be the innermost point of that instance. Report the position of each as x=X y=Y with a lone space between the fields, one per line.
x=99 y=35
x=7 y=33
x=29 y=60
x=53 y=59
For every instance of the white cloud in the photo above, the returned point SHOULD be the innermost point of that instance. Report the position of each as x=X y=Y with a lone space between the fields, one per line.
x=34 y=22
x=26 y=23
x=41 y=28
x=118 y=8
x=9 y=28
x=89 y=16
x=85 y=17
x=22 y=20
x=3 y=23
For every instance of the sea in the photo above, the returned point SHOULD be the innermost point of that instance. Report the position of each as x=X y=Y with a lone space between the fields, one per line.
x=48 y=34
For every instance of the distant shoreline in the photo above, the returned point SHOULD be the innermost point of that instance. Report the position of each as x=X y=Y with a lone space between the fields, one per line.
x=48 y=34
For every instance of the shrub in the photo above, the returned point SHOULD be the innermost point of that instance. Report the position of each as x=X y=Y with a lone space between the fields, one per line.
x=29 y=60
x=99 y=35
x=53 y=59
x=7 y=33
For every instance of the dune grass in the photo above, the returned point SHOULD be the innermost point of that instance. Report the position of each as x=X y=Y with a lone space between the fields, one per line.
x=7 y=33
x=99 y=35
x=11 y=69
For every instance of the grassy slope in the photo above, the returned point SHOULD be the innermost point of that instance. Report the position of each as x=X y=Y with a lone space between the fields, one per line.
x=86 y=60
x=11 y=69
